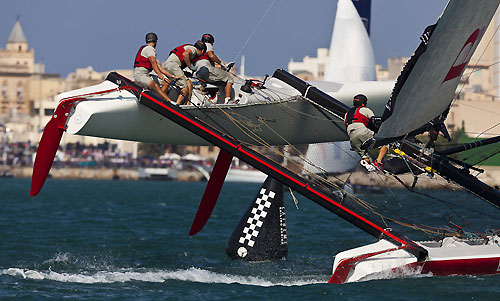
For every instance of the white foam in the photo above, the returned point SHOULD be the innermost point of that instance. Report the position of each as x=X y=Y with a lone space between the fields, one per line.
x=402 y=272
x=191 y=274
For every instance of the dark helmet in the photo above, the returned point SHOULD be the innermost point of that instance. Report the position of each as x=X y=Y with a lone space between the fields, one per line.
x=151 y=37
x=207 y=38
x=359 y=100
x=200 y=46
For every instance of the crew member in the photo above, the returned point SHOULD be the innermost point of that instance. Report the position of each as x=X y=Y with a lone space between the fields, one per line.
x=145 y=62
x=180 y=58
x=357 y=121
x=206 y=70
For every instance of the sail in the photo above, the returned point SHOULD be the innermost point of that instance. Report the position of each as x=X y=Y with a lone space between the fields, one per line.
x=335 y=157
x=364 y=8
x=350 y=32
x=427 y=84
x=351 y=55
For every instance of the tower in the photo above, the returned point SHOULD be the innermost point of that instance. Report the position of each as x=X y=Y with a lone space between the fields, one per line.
x=17 y=57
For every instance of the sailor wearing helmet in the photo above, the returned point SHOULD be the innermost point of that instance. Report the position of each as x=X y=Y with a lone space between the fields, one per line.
x=206 y=68
x=180 y=58
x=145 y=62
x=359 y=123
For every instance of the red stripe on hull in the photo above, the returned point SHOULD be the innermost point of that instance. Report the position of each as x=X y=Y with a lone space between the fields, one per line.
x=473 y=266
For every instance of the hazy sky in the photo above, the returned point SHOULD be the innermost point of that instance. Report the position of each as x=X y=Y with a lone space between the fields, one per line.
x=106 y=34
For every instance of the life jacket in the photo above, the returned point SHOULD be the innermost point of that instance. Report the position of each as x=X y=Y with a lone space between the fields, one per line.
x=179 y=51
x=141 y=61
x=204 y=56
x=353 y=116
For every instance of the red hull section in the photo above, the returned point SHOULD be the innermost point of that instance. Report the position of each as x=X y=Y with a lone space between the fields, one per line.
x=52 y=135
x=212 y=191
x=474 y=266
x=45 y=154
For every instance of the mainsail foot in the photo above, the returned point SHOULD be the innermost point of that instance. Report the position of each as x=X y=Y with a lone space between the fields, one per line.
x=261 y=233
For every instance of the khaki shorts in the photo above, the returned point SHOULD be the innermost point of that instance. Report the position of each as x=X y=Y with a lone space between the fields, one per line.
x=142 y=79
x=219 y=75
x=357 y=137
x=175 y=69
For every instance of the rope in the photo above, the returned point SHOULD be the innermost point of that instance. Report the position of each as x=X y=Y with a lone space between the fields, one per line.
x=254 y=30
x=473 y=69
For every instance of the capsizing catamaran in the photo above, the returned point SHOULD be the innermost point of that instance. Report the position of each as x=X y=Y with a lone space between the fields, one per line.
x=284 y=110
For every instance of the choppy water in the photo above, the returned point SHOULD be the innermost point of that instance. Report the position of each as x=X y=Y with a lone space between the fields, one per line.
x=128 y=240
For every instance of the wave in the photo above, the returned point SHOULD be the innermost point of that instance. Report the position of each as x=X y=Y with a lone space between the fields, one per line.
x=192 y=274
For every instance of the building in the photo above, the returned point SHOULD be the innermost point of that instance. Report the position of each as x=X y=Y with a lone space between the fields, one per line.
x=310 y=68
x=22 y=81
x=28 y=94
x=28 y=97
x=313 y=68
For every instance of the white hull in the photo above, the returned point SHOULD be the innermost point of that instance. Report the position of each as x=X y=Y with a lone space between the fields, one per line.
x=278 y=114
x=451 y=256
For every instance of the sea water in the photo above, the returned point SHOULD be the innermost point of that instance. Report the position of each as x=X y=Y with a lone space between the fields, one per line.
x=129 y=240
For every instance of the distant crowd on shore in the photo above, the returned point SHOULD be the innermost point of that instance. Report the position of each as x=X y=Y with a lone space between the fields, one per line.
x=20 y=154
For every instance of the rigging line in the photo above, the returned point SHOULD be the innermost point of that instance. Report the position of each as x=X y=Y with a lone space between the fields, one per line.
x=479 y=93
x=239 y=125
x=303 y=158
x=262 y=142
x=479 y=109
x=360 y=202
x=199 y=109
x=480 y=163
x=385 y=183
x=477 y=62
x=448 y=204
x=254 y=30
x=482 y=68
x=257 y=137
x=487 y=130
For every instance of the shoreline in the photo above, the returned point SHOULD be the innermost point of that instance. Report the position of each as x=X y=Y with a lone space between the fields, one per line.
x=491 y=176
x=101 y=173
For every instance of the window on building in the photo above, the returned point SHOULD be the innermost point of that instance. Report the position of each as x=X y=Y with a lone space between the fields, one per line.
x=4 y=91
x=48 y=112
x=19 y=92
x=20 y=48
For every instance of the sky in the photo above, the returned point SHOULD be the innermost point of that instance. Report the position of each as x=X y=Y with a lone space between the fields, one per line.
x=106 y=34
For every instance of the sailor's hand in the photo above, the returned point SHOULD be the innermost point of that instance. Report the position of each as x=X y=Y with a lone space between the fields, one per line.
x=168 y=79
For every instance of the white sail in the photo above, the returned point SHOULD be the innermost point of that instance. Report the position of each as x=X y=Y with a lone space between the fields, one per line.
x=351 y=55
x=351 y=58
x=335 y=157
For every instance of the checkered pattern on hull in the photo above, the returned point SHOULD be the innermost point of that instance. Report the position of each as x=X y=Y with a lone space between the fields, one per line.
x=256 y=220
